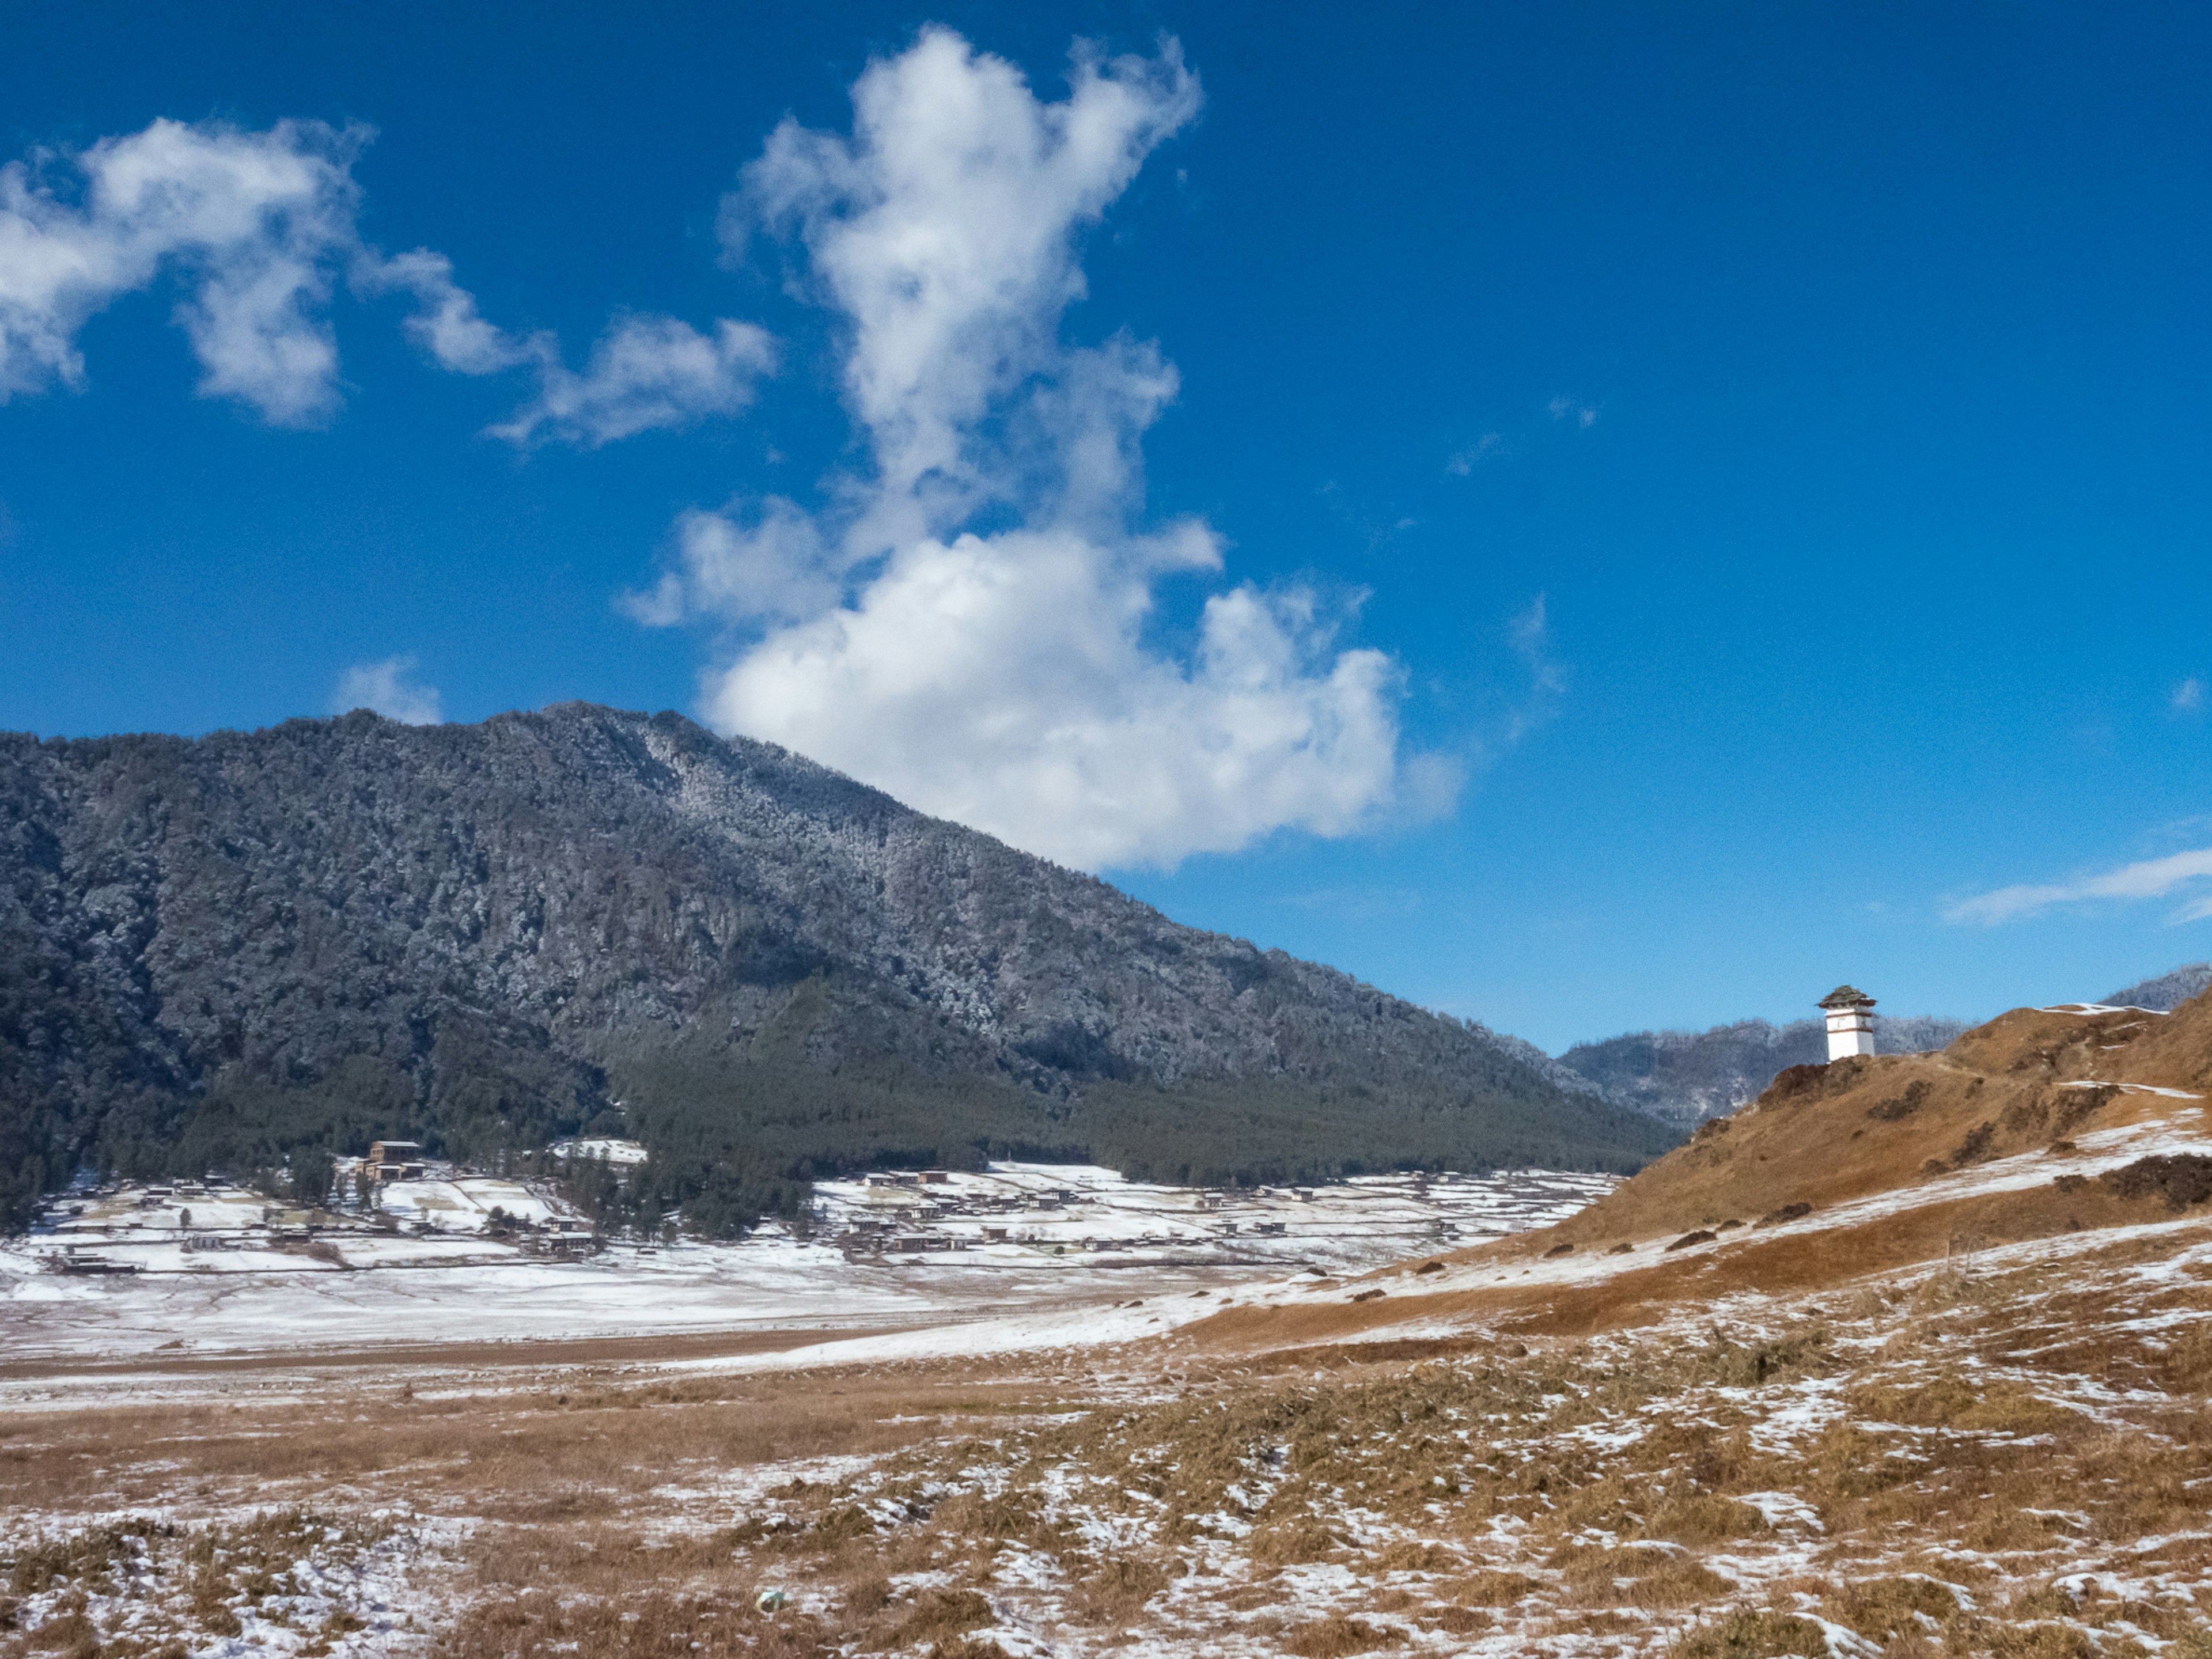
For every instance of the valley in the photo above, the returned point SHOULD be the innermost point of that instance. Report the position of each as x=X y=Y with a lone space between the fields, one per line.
x=1907 y=1358
x=1026 y=1253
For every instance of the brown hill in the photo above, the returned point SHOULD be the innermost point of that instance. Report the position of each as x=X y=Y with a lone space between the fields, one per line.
x=1821 y=1135
x=2040 y=1123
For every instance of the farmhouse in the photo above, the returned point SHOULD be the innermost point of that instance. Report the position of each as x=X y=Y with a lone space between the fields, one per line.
x=394 y=1160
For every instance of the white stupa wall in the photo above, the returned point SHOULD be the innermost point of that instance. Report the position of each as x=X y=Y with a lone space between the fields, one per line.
x=1850 y=1031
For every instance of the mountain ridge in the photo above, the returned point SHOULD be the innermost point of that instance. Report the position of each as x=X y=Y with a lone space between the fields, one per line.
x=253 y=944
x=1685 y=1078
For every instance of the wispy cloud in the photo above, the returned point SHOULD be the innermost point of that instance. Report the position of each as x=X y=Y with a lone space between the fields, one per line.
x=2146 y=879
x=1531 y=632
x=1573 y=411
x=644 y=373
x=965 y=624
x=255 y=229
x=2188 y=696
x=390 y=688
x=1490 y=447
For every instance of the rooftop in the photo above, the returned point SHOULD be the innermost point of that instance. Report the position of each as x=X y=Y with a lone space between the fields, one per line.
x=1846 y=996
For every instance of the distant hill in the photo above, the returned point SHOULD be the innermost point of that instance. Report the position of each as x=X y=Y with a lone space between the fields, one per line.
x=2168 y=991
x=264 y=946
x=2026 y=1082
x=1686 y=1076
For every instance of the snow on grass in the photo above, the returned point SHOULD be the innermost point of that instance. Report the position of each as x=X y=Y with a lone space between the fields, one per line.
x=251 y=1583
x=353 y=1286
x=2091 y=1009
x=1624 y=1494
x=2134 y=1089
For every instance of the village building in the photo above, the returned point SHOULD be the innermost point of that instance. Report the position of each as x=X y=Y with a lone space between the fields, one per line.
x=394 y=1160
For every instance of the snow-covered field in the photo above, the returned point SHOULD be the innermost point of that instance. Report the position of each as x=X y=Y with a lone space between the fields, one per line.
x=2002 y=1456
x=214 y=1274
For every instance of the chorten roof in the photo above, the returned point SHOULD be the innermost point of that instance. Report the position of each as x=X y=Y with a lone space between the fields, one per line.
x=1846 y=996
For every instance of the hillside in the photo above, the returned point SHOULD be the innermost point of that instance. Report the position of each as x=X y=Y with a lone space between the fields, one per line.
x=270 y=946
x=1908 y=1358
x=2041 y=1123
x=1687 y=1077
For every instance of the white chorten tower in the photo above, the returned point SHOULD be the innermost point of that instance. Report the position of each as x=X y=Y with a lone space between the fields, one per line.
x=1851 y=1022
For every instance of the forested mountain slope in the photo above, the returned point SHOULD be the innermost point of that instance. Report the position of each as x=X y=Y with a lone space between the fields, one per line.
x=2168 y=991
x=258 y=946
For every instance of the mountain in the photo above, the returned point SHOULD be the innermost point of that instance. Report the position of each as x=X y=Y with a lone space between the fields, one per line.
x=1686 y=1076
x=270 y=946
x=2168 y=991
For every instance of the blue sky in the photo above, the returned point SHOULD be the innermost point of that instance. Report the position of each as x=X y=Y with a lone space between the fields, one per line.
x=1587 y=517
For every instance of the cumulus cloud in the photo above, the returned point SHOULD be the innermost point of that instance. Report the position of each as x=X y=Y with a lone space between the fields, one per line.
x=1001 y=681
x=969 y=623
x=390 y=688
x=253 y=224
x=762 y=560
x=943 y=228
x=2149 y=879
x=255 y=228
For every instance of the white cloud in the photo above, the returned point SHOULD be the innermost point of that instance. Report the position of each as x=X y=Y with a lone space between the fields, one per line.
x=768 y=561
x=644 y=373
x=2149 y=879
x=254 y=227
x=967 y=625
x=2188 y=696
x=390 y=688
x=1531 y=633
x=1001 y=681
x=943 y=230
x=252 y=224
x=446 y=323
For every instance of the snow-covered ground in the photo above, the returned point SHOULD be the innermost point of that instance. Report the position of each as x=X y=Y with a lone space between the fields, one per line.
x=1074 y=1238
x=622 y=1154
x=1037 y=1215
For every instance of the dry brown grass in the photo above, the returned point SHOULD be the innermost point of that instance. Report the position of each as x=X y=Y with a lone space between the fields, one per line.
x=1753 y=1633
x=1335 y=1636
